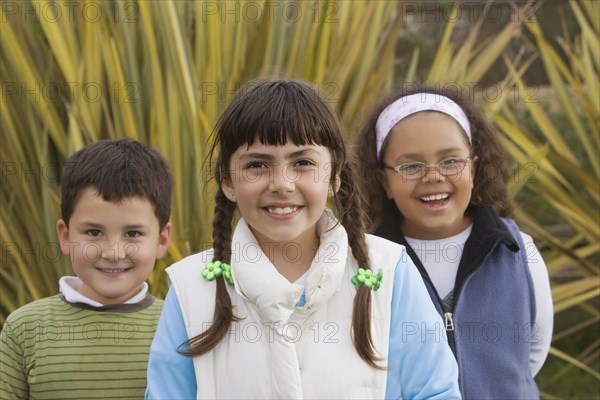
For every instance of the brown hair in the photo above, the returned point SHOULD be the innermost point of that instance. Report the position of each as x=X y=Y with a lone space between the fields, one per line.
x=275 y=111
x=118 y=169
x=491 y=168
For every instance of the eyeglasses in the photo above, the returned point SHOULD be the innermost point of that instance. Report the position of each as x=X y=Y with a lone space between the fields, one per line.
x=416 y=170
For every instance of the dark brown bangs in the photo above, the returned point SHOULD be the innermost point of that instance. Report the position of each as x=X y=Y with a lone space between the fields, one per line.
x=118 y=169
x=275 y=113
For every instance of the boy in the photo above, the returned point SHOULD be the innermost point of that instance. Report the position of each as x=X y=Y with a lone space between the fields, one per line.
x=93 y=339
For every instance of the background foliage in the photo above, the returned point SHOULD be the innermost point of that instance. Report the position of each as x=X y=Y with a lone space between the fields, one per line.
x=161 y=72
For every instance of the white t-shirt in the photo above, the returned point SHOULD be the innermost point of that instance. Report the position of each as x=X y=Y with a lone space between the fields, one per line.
x=441 y=258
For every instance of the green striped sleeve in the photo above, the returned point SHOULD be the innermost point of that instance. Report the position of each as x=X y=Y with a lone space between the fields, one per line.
x=13 y=381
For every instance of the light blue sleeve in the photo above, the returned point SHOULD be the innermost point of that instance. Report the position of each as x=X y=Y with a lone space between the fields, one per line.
x=170 y=374
x=421 y=364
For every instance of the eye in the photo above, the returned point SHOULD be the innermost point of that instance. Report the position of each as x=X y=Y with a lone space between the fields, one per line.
x=410 y=168
x=133 y=234
x=448 y=162
x=303 y=163
x=256 y=165
x=93 y=232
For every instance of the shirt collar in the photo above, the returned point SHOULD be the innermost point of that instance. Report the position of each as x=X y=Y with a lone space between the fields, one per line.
x=69 y=286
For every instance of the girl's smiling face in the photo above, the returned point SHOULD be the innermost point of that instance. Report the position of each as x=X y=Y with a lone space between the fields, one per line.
x=433 y=207
x=281 y=191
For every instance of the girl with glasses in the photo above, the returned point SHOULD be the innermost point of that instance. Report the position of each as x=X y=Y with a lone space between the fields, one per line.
x=442 y=193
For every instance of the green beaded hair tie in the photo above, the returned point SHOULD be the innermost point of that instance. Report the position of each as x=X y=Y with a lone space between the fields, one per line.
x=215 y=269
x=366 y=278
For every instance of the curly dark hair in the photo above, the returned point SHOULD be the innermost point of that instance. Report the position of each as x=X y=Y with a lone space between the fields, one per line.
x=491 y=169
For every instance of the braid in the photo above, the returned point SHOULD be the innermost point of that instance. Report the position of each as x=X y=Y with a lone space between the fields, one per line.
x=350 y=201
x=223 y=314
x=222 y=231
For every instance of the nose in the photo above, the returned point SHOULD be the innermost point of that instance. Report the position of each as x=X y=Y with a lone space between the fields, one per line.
x=282 y=179
x=114 y=251
x=433 y=174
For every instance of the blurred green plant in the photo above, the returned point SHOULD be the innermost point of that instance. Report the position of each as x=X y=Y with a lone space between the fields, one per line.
x=560 y=166
x=162 y=71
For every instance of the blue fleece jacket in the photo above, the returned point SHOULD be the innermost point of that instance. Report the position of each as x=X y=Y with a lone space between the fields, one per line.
x=491 y=319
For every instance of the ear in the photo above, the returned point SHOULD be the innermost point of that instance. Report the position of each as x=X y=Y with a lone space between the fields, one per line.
x=62 y=231
x=164 y=239
x=383 y=179
x=228 y=189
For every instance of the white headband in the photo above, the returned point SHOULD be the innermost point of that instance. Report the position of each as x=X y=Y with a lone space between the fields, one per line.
x=408 y=105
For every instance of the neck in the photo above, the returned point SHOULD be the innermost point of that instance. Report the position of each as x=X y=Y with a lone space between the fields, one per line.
x=292 y=259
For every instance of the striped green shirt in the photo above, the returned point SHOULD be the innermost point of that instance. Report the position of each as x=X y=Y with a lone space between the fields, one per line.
x=52 y=349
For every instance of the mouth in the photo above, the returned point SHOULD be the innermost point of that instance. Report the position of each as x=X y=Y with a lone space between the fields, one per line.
x=113 y=270
x=281 y=210
x=435 y=200
x=433 y=197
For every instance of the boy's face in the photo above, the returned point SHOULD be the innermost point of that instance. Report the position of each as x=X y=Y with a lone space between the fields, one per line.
x=112 y=245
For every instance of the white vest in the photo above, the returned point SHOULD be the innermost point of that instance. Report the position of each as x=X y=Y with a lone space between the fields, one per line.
x=278 y=350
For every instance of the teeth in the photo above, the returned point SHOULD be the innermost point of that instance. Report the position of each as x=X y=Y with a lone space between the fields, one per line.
x=282 y=211
x=113 y=271
x=434 y=197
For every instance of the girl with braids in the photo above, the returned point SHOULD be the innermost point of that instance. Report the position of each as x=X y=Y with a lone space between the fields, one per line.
x=442 y=193
x=296 y=301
